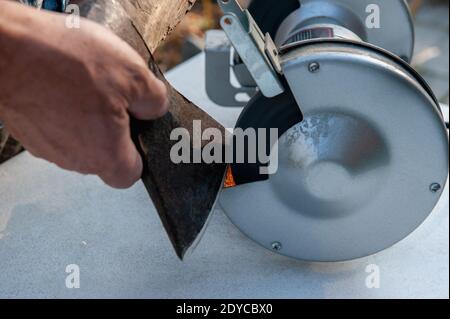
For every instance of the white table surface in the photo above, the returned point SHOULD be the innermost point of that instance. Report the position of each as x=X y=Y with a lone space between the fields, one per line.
x=50 y=218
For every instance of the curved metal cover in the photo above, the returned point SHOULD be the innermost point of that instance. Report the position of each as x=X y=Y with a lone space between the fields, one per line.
x=354 y=177
x=394 y=32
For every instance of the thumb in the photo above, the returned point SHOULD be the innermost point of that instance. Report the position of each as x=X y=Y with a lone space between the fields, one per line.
x=152 y=101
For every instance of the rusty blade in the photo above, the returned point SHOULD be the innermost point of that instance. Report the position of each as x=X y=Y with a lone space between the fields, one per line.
x=183 y=194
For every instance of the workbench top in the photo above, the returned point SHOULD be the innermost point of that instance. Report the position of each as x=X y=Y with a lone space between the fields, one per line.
x=50 y=218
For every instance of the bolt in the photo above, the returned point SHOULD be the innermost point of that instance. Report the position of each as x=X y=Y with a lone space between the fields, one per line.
x=276 y=246
x=228 y=21
x=314 y=67
x=435 y=187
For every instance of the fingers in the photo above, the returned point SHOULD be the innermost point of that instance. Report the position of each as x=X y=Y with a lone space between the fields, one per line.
x=83 y=126
x=124 y=170
x=152 y=101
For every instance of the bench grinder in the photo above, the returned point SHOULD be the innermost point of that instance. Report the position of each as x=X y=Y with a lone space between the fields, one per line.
x=363 y=145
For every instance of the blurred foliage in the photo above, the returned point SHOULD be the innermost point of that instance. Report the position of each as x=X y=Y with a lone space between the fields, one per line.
x=204 y=16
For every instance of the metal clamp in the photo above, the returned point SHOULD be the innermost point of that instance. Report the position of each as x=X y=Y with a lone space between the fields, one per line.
x=218 y=74
x=257 y=51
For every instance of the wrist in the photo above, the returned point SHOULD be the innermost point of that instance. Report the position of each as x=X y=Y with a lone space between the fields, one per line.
x=15 y=23
x=7 y=39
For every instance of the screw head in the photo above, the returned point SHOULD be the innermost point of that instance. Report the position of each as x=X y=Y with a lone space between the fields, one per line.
x=228 y=21
x=314 y=67
x=435 y=187
x=276 y=246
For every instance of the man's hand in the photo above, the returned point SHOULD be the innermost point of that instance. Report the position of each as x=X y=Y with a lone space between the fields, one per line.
x=66 y=94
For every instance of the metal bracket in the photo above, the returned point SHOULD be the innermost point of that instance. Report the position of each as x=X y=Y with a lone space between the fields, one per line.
x=257 y=51
x=218 y=73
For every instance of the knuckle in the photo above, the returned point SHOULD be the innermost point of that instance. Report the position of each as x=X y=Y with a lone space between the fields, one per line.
x=113 y=107
x=161 y=96
x=139 y=77
x=120 y=173
x=159 y=99
x=123 y=164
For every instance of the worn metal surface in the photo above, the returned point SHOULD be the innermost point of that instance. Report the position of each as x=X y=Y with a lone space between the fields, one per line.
x=184 y=194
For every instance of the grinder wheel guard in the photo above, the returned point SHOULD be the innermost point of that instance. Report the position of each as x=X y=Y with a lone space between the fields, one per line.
x=183 y=194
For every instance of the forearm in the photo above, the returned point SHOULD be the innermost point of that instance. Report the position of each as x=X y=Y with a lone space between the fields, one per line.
x=14 y=18
x=23 y=40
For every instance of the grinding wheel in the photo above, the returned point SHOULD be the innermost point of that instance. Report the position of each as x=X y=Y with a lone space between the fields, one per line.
x=360 y=172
